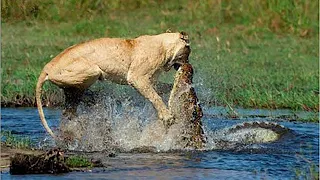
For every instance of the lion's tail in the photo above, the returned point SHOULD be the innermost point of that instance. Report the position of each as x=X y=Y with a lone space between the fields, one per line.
x=41 y=80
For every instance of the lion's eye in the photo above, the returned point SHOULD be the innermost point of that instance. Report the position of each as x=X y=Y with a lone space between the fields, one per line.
x=186 y=41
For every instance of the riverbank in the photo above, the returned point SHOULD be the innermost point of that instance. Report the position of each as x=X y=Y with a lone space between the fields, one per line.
x=263 y=56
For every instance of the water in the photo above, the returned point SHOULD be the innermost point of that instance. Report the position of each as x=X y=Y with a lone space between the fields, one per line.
x=276 y=160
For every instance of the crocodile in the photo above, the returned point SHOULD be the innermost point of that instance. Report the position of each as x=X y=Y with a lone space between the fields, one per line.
x=187 y=132
x=185 y=107
x=252 y=132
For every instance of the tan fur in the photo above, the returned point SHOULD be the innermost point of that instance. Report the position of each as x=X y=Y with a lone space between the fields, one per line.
x=134 y=62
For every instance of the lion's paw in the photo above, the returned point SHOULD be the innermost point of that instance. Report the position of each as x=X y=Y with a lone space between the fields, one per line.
x=168 y=122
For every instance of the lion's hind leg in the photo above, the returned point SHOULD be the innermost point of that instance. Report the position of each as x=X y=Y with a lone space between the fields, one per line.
x=74 y=78
x=73 y=98
x=80 y=75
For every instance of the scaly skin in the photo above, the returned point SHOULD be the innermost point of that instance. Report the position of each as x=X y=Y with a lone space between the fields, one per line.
x=184 y=105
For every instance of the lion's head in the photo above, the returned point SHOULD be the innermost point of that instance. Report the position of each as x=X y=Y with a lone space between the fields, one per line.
x=178 y=50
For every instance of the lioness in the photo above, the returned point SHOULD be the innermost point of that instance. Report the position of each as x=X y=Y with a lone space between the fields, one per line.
x=136 y=62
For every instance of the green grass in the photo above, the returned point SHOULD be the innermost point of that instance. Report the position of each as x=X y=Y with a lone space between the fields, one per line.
x=269 y=71
x=78 y=162
x=14 y=141
x=254 y=54
x=310 y=173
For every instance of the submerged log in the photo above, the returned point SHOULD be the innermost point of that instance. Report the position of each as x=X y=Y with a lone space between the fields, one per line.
x=51 y=162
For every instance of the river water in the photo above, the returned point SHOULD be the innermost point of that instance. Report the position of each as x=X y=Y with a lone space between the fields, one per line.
x=283 y=159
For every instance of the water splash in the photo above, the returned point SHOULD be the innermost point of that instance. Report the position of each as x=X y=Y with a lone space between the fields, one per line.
x=109 y=123
x=119 y=124
x=113 y=123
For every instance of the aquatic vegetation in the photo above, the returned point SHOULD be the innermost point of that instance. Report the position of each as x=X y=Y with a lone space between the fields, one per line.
x=78 y=161
x=311 y=171
x=15 y=141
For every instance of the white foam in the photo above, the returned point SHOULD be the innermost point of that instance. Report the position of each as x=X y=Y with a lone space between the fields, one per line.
x=121 y=124
x=105 y=125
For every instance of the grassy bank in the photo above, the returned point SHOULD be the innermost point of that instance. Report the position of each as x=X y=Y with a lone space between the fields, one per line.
x=257 y=54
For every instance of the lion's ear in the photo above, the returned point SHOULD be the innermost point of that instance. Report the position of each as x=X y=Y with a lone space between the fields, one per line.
x=185 y=37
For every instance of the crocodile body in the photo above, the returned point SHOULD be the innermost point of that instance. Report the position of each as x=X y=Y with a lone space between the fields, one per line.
x=184 y=105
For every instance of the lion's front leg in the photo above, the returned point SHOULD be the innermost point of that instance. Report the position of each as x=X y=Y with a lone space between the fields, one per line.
x=144 y=86
x=163 y=88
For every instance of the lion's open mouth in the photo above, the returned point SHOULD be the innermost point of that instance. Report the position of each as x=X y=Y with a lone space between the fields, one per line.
x=175 y=65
